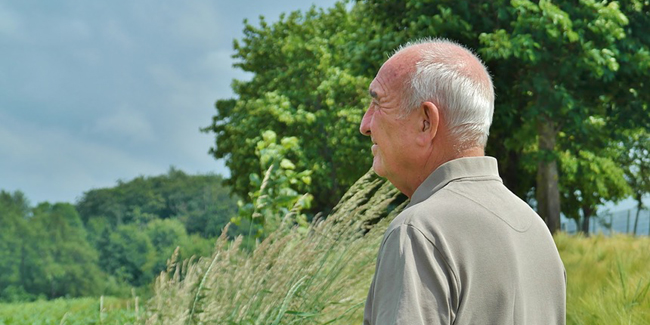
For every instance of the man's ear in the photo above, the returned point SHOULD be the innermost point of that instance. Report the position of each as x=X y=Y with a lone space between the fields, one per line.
x=429 y=121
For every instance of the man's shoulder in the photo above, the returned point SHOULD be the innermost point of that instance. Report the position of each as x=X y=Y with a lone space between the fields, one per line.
x=446 y=203
x=462 y=204
x=436 y=214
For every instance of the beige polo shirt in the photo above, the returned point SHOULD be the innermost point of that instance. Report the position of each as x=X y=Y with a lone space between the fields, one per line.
x=466 y=250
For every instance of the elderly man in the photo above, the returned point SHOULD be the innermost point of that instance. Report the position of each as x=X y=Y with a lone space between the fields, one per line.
x=465 y=250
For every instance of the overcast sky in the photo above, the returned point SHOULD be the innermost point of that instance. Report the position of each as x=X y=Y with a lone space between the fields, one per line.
x=92 y=92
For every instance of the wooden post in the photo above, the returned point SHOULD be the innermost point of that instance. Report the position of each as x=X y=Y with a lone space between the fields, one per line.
x=101 y=309
x=135 y=301
x=593 y=227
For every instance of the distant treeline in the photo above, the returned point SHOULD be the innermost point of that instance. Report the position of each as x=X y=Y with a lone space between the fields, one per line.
x=112 y=239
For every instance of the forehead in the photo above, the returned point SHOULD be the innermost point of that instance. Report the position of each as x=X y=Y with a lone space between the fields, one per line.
x=392 y=75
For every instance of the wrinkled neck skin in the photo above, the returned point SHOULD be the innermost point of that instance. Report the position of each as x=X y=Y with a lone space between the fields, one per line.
x=433 y=159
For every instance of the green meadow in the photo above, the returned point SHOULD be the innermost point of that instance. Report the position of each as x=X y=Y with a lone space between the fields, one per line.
x=322 y=278
x=70 y=311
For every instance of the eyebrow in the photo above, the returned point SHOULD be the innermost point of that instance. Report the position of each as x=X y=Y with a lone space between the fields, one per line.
x=373 y=94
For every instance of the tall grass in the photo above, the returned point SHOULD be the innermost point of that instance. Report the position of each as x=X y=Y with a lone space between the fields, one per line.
x=608 y=278
x=322 y=277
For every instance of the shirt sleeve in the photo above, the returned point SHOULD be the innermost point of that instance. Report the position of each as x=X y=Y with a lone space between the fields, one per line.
x=413 y=282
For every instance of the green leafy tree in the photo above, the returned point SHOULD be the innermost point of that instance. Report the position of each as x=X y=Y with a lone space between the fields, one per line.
x=67 y=262
x=15 y=248
x=635 y=157
x=165 y=236
x=201 y=202
x=555 y=65
x=128 y=254
x=44 y=251
x=275 y=198
x=589 y=180
x=301 y=87
x=567 y=58
x=591 y=174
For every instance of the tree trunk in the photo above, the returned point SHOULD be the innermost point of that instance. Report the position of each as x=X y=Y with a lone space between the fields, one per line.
x=548 y=193
x=586 y=216
x=639 y=206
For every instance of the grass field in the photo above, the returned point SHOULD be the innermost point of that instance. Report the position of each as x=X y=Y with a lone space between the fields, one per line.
x=323 y=278
x=608 y=278
x=69 y=311
x=608 y=283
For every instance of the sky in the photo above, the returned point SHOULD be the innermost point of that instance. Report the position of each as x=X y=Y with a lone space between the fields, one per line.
x=92 y=92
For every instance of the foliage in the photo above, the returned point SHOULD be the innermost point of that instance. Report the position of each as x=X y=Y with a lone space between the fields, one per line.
x=120 y=241
x=43 y=251
x=290 y=277
x=165 y=235
x=14 y=247
x=199 y=201
x=635 y=154
x=324 y=276
x=276 y=195
x=589 y=180
x=607 y=284
x=555 y=65
x=67 y=263
x=301 y=88
x=128 y=254
x=169 y=234
x=136 y=225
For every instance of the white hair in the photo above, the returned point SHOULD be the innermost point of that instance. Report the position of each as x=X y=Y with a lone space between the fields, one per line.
x=460 y=87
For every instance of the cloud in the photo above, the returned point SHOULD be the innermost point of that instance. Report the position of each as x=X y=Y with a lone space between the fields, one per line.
x=127 y=124
x=198 y=22
x=99 y=91
x=114 y=32
x=76 y=30
x=11 y=24
x=52 y=164
x=219 y=62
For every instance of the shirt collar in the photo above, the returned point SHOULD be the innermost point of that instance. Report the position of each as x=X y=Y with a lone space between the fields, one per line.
x=461 y=168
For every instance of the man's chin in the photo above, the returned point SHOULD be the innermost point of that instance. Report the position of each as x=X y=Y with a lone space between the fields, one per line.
x=378 y=170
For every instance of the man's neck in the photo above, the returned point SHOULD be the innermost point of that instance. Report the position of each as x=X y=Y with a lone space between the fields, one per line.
x=436 y=162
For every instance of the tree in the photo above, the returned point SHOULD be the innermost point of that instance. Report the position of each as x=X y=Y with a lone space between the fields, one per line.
x=165 y=236
x=44 y=251
x=555 y=65
x=15 y=248
x=275 y=199
x=635 y=156
x=567 y=58
x=588 y=181
x=301 y=88
x=67 y=263
x=128 y=254
x=201 y=202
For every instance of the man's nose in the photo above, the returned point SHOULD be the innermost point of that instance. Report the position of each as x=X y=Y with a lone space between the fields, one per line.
x=364 y=128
